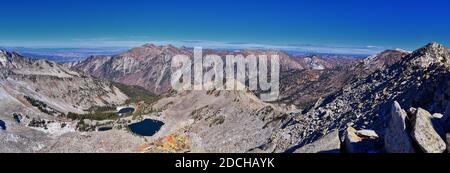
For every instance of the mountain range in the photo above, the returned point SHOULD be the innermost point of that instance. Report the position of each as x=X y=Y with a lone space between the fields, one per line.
x=327 y=104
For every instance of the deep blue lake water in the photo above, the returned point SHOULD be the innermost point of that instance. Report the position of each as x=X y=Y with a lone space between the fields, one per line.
x=101 y=129
x=126 y=111
x=2 y=125
x=148 y=127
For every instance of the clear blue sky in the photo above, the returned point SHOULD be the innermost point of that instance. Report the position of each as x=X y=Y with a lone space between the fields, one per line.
x=388 y=23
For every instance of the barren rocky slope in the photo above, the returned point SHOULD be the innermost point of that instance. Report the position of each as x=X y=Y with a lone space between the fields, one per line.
x=419 y=80
x=39 y=84
x=304 y=87
x=216 y=121
x=36 y=96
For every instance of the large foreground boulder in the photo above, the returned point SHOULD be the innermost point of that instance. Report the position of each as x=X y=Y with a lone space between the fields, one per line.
x=362 y=141
x=329 y=143
x=351 y=141
x=367 y=134
x=396 y=138
x=425 y=134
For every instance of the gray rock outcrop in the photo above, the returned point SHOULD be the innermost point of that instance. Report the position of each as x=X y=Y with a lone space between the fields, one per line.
x=329 y=143
x=397 y=138
x=362 y=141
x=425 y=134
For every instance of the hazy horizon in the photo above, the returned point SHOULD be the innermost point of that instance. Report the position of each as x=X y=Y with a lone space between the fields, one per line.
x=344 y=27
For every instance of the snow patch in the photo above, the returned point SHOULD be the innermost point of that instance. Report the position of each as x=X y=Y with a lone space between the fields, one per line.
x=402 y=50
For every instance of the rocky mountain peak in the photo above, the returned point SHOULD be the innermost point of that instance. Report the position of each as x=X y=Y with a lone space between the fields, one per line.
x=382 y=59
x=386 y=55
x=149 y=45
x=12 y=58
x=431 y=54
x=169 y=46
x=434 y=45
x=434 y=49
x=402 y=50
x=151 y=51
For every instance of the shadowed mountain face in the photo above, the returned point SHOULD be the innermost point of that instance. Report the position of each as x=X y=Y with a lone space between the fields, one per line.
x=149 y=66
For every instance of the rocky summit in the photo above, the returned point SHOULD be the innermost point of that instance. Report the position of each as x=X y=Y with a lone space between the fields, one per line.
x=392 y=102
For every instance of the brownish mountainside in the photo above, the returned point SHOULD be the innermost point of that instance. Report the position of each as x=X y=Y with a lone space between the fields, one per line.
x=148 y=66
x=305 y=86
